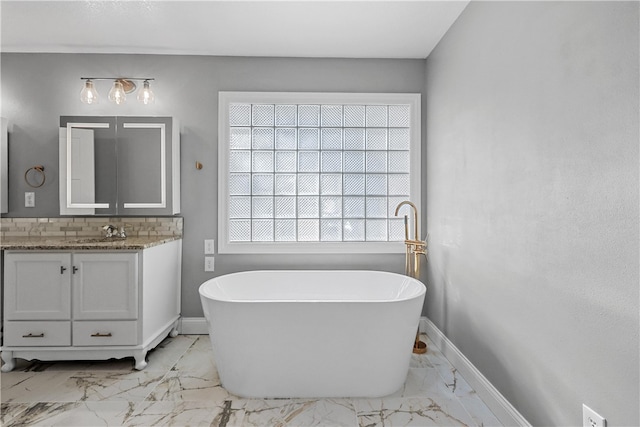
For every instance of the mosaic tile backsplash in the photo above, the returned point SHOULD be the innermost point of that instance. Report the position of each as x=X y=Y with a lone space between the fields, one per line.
x=89 y=226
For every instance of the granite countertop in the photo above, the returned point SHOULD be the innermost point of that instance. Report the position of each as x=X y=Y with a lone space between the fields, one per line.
x=83 y=243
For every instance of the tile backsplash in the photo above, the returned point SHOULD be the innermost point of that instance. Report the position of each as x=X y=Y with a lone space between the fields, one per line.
x=89 y=226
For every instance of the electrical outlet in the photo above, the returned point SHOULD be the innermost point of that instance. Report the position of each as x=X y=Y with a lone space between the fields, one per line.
x=208 y=263
x=592 y=419
x=29 y=199
x=209 y=247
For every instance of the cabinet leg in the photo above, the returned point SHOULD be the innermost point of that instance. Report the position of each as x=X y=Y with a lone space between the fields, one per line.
x=174 y=330
x=9 y=361
x=141 y=361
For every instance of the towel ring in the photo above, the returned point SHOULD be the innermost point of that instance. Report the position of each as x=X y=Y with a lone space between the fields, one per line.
x=39 y=181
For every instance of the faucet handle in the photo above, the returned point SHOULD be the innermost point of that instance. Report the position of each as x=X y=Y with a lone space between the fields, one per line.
x=109 y=230
x=422 y=249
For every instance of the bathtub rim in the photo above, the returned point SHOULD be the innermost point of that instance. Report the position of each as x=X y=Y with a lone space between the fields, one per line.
x=422 y=288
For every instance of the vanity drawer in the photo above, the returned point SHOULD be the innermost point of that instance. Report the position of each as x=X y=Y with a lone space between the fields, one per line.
x=89 y=333
x=37 y=333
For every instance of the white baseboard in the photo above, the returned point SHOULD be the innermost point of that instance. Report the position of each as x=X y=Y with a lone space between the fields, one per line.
x=193 y=326
x=501 y=408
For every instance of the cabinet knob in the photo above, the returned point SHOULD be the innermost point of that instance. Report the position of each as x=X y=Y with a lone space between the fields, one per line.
x=62 y=269
x=75 y=269
x=99 y=335
x=30 y=335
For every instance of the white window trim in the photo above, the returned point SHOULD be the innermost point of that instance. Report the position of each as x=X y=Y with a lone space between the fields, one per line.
x=227 y=98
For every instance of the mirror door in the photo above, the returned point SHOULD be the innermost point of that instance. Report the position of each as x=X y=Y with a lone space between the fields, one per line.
x=88 y=166
x=142 y=172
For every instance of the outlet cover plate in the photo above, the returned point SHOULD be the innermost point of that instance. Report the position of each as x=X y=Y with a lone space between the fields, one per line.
x=591 y=418
x=29 y=199
x=209 y=263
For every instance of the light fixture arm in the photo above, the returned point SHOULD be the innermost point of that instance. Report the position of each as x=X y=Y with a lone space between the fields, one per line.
x=139 y=79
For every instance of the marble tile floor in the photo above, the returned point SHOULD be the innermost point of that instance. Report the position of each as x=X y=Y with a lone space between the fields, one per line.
x=180 y=387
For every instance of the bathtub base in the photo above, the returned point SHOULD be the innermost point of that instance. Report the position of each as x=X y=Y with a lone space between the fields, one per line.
x=352 y=360
x=319 y=334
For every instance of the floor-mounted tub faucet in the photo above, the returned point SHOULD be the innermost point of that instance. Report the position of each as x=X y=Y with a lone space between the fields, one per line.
x=414 y=248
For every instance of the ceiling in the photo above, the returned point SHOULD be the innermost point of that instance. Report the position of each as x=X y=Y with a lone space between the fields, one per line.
x=337 y=29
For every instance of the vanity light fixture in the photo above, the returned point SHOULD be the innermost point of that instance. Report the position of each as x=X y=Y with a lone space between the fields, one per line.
x=118 y=93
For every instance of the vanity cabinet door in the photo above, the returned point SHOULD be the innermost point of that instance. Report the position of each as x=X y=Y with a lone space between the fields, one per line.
x=105 y=286
x=37 y=286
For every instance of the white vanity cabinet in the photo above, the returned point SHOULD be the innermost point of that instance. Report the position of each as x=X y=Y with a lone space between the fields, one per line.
x=88 y=305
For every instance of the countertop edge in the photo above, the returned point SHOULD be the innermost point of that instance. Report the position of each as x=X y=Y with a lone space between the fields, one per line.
x=65 y=243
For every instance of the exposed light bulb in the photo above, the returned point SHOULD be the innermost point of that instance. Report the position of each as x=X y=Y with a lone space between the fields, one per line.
x=145 y=95
x=89 y=94
x=117 y=93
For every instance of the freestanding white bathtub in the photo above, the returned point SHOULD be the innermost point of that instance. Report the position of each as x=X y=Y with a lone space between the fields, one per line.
x=312 y=333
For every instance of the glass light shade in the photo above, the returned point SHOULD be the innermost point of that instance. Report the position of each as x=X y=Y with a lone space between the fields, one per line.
x=145 y=95
x=117 y=93
x=89 y=94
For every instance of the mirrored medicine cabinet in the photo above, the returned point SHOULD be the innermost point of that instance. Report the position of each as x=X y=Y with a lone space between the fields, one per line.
x=4 y=166
x=119 y=166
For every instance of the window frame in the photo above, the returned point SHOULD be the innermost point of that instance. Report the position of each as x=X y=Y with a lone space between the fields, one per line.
x=226 y=98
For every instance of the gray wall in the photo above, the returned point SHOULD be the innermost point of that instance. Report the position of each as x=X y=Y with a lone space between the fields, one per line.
x=532 y=203
x=38 y=88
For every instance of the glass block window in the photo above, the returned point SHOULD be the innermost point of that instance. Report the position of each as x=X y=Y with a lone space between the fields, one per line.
x=309 y=172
